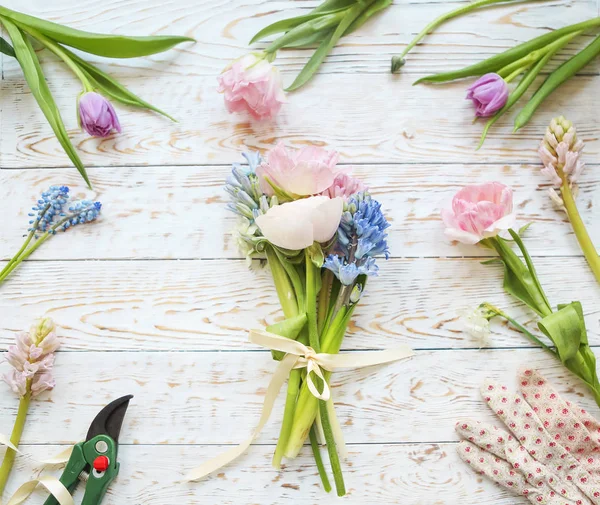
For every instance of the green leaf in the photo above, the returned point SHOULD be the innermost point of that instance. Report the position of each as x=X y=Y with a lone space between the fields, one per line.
x=6 y=48
x=111 y=46
x=373 y=9
x=566 y=330
x=35 y=79
x=288 y=328
x=111 y=86
x=286 y=25
x=325 y=47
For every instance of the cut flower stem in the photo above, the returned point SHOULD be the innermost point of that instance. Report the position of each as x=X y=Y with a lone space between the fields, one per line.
x=15 y=439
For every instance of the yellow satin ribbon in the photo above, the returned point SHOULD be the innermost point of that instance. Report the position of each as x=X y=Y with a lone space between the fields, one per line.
x=52 y=484
x=297 y=356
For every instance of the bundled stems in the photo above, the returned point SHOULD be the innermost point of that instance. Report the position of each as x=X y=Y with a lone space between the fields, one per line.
x=15 y=439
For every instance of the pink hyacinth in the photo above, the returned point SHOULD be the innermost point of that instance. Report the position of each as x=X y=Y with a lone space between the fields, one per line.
x=302 y=172
x=479 y=211
x=97 y=116
x=251 y=84
x=489 y=94
x=32 y=359
x=344 y=186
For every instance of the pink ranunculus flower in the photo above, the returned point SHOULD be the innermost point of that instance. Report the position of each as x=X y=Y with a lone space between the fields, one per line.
x=344 y=186
x=489 y=93
x=97 y=116
x=251 y=84
x=479 y=211
x=303 y=172
x=296 y=225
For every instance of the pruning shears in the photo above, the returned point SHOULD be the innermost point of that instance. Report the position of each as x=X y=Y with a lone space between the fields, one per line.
x=94 y=461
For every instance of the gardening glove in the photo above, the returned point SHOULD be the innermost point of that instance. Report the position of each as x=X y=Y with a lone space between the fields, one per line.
x=528 y=459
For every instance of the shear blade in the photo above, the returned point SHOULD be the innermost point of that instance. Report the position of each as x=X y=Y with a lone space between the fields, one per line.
x=110 y=419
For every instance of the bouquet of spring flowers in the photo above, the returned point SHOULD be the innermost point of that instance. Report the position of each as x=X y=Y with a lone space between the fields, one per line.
x=483 y=214
x=321 y=232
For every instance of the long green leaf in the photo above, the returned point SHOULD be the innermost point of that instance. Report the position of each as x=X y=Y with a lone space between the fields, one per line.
x=285 y=25
x=499 y=61
x=325 y=47
x=111 y=87
x=39 y=88
x=6 y=48
x=112 y=46
x=378 y=6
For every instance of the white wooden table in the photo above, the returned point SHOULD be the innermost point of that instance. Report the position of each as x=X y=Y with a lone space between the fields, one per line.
x=154 y=299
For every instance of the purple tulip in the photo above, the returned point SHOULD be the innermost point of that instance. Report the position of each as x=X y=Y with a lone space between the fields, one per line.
x=489 y=93
x=97 y=115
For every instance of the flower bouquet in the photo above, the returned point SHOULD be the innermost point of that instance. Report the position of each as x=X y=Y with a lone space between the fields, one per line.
x=320 y=231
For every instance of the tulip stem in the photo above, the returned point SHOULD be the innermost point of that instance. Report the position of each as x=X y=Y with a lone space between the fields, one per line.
x=583 y=237
x=58 y=51
x=15 y=439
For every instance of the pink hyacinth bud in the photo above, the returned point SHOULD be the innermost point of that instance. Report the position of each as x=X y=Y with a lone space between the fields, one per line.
x=32 y=359
x=97 y=116
x=489 y=94
x=251 y=84
x=344 y=186
x=479 y=211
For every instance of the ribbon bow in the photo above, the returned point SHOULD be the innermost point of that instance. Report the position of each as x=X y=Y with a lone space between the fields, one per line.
x=298 y=355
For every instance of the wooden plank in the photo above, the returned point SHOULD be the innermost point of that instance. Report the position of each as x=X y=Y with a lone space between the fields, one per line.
x=384 y=474
x=185 y=210
x=209 y=305
x=216 y=398
x=420 y=124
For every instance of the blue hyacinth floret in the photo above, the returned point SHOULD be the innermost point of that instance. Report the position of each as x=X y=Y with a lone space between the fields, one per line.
x=361 y=236
x=247 y=201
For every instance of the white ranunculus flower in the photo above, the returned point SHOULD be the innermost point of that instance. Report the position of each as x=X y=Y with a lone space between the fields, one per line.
x=296 y=225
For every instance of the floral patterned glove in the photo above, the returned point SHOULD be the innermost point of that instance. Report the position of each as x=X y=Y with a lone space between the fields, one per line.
x=549 y=454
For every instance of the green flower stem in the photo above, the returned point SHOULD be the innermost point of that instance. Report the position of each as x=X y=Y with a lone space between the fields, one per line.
x=585 y=242
x=334 y=458
x=288 y=417
x=294 y=278
x=311 y=302
x=398 y=61
x=7 y=271
x=15 y=438
x=518 y=326
x=318 y=460
x=525 y=276
x=58 y=51
x=283 y=285
x=324 y=297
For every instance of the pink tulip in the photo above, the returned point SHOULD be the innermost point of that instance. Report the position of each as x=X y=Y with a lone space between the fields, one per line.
x=344 y=186
x=296 y=225
x=302 y=172
x=251 y=84
x=489 y=93
x=479 y=211
x=97 y=116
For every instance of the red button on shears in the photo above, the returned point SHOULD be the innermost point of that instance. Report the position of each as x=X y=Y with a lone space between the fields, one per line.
x=101 y=464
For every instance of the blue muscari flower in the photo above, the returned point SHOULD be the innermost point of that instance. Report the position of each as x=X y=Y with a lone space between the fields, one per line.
x=361 y=237
x=48 y=208
x=82 y=211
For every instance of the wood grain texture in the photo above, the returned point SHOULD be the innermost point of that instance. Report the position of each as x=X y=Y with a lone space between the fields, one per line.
x=157 y=212
x=216 y=398
x=385 y=474
x=210 y=305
